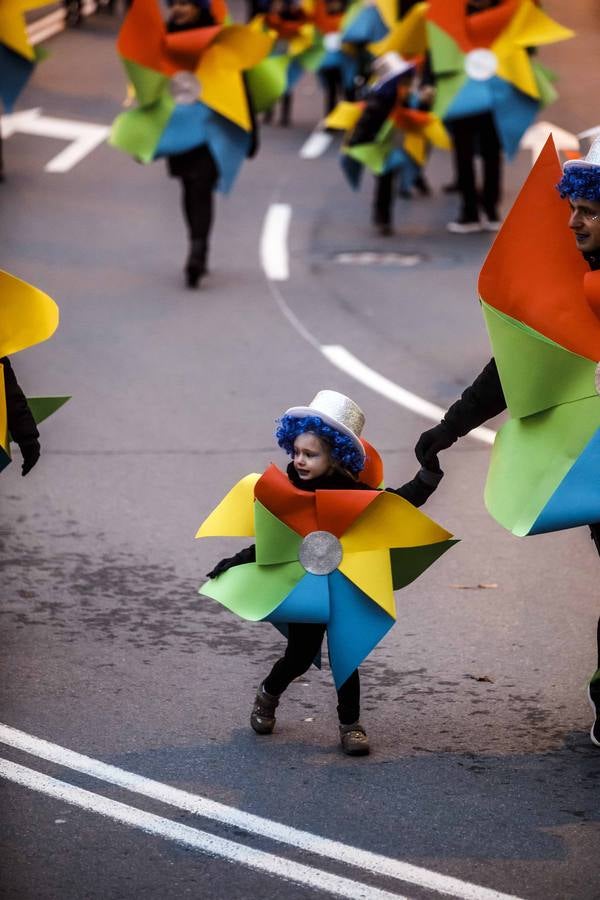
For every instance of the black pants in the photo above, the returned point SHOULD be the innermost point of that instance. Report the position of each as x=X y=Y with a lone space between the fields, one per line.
x=198 y=173
x=383 y=199
x=477 y=135
x=333 y=86
x=304 y=642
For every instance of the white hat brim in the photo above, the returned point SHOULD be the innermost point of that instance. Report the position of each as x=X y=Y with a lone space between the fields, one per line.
x=580 y=164
x=299 y=412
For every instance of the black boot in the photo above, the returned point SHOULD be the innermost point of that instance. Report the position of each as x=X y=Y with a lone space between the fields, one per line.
x=195 y=266
x=262 y=718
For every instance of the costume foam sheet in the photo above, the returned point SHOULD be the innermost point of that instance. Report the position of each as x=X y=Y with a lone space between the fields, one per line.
x=27 y=315
x=355 y=600
x=408 y=37
x=539 y=300
x=13 y=29
x=482 y=64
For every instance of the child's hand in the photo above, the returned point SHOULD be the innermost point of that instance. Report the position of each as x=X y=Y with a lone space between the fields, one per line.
x=220 y=567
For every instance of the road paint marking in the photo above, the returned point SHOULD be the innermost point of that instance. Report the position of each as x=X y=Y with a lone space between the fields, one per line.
x=83 y=136
x=54 y=22
x=350 y=364
x=253 y=824
x=316 y=145
x=272 y=865
x=273 y=254
x=273 y=242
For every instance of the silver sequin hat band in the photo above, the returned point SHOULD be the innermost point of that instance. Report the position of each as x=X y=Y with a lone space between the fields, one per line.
x=591 y=160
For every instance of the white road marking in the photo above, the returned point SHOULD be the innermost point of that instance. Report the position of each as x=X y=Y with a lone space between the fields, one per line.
x=253 y=824
x=316 y=144
x=53 y=23
x=350 y=364
x=83 y=136
x=273 y=242
x=272 y=865
x=537 y=134
x=274 y=259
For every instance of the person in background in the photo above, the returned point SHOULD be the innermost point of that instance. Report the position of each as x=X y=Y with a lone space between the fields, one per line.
x=21 y=423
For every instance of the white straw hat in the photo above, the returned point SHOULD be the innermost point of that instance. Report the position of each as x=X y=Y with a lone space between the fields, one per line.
x=336 y=410
x=592 y=160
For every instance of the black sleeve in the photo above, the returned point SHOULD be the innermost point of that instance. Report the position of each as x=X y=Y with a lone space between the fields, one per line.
x=483 y=400
x=254 y=132
x=375 y=113
x=420 y=489
x=21 y=423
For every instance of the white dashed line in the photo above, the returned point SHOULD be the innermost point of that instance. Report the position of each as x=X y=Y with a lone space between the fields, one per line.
x=316 y=145
x=273 y=242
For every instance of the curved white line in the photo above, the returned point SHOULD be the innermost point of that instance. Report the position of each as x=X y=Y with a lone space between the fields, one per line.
x=273 y=242
x=273 y=254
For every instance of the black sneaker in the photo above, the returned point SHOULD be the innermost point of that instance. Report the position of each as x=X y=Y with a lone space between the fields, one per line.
x=594 y=698
x=262 y=717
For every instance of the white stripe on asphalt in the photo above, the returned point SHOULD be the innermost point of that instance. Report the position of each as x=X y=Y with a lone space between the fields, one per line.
x=54 y=22
x=273 y=242
x=274 y=259
x=350 y=364
x=316 y=145
x=272 y=865
x=253 y=824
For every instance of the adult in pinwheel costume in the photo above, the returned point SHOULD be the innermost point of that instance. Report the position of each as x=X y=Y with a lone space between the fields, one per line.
x=27 y=317
x=541 y=299
x=488 y=89
x=330 y=550
x=194 y=106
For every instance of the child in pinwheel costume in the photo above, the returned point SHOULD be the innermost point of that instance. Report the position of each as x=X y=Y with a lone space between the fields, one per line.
x=540 y=292
x=325 y=533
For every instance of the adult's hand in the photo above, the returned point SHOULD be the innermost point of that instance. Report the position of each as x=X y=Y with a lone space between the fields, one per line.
x=431 y=442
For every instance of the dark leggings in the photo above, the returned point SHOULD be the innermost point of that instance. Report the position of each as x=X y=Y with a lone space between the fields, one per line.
x=304 y=642
x=471 y=136
x=198 y=206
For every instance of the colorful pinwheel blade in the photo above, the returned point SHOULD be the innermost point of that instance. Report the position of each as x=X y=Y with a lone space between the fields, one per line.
x=367 y=27
x=185 y=129
x=513 y=112
x=536 y=373
x=138 y=131
x=229 y=146
x=253 y=591
x=356 y=626
x=27 y=315
x=548 y=293
x=42 y=407
x=337 y=510
x=576 y=500
x=275 y=542
x=530 y=459
x=15 y=71
x=410 y=562
x=370 y=571
x=142 y=33
x=234 y=516
x=391 y=522
x=308 y=601
x=148 y=84
x=294 y=507
x=267 y=81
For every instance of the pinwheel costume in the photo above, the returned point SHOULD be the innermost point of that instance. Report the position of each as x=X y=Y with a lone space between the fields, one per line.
x=189 y=87
x=542 y=308
x=17 y=56
x=27 y=317
x=329 y=553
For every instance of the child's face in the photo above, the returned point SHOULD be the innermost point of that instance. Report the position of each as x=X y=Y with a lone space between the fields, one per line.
x=311 y=457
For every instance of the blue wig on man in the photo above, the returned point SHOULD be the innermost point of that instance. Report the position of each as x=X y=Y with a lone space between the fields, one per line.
x=580 y=183
x=342 y=449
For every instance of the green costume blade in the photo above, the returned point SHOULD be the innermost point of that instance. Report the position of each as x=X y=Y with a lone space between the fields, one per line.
x=138 y=131
x=252 y=591
x=42 y=407
x=275 y=542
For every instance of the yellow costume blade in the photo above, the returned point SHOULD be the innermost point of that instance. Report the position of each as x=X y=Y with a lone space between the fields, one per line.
x=234 y=516
x=371 y=572
x=13 y=30
x=345 y=116
x=407 y=37
x=389 y=522
x=27 y=315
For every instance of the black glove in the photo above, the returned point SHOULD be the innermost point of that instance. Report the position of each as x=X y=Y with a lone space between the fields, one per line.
x=247 y=555
x=31 y=453
x=222 y=566
x=431 y=442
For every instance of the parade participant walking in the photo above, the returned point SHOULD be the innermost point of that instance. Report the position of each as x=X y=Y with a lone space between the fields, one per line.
x=328 y=458
x=486 y=397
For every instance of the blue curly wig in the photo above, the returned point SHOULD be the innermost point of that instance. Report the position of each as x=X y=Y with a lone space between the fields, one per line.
x=580 y=182
x=342 y=448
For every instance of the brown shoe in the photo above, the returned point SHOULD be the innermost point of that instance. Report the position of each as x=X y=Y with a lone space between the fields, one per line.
x=262 y=718
x=354 y=739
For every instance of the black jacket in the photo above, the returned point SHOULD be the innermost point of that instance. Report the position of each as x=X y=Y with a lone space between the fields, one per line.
x=21 y=423
x=416 y=491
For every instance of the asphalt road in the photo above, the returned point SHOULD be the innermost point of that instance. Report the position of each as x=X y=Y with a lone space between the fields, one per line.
x=481 y=767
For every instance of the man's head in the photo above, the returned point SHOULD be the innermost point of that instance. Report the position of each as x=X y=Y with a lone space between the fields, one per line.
x=580 y=185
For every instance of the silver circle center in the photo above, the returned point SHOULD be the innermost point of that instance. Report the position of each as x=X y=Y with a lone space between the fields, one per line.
x=185 y=88
x=320 y=553
x=481 y=64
